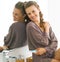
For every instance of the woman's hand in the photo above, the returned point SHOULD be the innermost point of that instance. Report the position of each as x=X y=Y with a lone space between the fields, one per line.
x=1 y=49
x=46 y=26
x=40 y=51
x=5 y=47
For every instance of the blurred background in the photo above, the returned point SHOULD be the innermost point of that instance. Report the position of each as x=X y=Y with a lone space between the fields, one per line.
x=49 y=8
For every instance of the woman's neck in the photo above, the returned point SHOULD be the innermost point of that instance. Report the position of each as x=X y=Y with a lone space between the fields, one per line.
x=39 y=25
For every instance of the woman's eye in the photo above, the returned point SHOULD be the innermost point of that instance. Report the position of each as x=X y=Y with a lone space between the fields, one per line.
x=33 y=11
x=16 y=14
x=28 y=14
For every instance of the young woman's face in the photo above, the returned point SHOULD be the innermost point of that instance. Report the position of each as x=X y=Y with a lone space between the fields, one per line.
x=17 y=15
x=33 y=13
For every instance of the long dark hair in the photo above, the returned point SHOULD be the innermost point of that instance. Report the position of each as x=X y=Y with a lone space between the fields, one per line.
x=28 y=4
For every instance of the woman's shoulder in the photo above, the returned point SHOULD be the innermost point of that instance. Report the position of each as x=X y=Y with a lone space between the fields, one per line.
x=13 y=25
x=46 y=23
x=30 y=24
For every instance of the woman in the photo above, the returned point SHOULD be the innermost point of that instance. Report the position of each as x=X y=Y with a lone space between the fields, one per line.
x=15 y=40
x=41 y=38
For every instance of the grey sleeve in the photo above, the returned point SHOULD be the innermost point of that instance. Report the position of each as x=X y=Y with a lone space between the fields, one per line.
x=8 y=37
x=53 y=44
x=36 y=36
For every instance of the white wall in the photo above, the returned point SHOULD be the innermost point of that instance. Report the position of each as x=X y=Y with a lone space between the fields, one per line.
x=54 y=17
x=44 y=8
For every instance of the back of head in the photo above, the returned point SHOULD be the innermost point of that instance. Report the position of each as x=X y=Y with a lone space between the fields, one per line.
x=20 y=5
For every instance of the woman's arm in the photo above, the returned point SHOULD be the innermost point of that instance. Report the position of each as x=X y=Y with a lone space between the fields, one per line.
x=53 y=44
x=8 y=37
